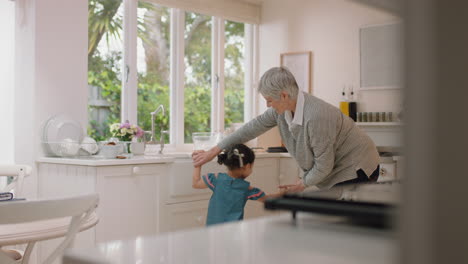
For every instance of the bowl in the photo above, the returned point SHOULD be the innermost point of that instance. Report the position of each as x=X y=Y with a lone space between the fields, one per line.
x=206 y=140
x=89 y=145
x=110 y=151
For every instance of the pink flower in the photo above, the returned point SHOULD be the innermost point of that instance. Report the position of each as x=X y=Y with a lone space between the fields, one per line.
x=125 y=125
x=126 y=131
x=139 y=132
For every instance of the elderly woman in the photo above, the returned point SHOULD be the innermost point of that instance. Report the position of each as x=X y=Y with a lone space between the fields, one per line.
x=326 y=144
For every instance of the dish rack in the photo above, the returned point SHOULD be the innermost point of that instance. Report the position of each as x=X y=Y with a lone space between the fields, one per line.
x=69 y=148
x=63 y=137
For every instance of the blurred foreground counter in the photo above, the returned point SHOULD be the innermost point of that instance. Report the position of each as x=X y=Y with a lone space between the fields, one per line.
x=276 y=239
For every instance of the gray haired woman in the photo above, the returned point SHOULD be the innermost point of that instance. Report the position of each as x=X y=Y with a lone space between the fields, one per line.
x=326 y=144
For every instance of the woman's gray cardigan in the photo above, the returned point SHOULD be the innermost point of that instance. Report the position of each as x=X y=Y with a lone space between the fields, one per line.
x=328 y=146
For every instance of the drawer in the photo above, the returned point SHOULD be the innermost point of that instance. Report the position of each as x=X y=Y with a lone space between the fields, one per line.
x=131 y=170
x=184 y=216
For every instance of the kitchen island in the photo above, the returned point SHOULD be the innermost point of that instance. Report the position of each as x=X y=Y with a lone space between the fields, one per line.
x=275 y=239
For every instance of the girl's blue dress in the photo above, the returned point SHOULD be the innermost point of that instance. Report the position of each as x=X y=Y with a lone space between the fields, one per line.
x=229 y=197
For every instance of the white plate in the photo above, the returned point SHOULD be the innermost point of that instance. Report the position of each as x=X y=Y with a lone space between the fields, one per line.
x=61 y=129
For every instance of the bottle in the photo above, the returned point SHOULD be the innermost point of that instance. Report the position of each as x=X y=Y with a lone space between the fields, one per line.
x=344 y=104
x=352 y=104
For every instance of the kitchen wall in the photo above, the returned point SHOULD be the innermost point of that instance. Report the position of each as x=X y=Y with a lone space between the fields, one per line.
x=7 y=47
x=51 y=56
x=51 y=78
x=330 y=29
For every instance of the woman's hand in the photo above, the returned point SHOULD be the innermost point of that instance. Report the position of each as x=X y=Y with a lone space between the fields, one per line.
x=297 y=187
x=201 y=157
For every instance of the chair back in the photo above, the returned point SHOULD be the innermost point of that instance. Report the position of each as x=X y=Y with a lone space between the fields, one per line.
x=17 y=172
x=77 y=208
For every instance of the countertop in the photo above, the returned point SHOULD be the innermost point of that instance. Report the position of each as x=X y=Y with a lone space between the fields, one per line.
x=91 y=161
x=139 y=159
x=275 y=239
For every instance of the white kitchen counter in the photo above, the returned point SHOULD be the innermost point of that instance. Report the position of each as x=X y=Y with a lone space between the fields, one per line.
x=269 y=240
x=143 y=159
x=105 y=162
x=257 y=155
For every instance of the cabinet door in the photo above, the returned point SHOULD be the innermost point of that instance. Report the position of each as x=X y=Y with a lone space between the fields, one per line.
x=289 y=171
x=265 y=177
x=184 y=215
x=128 y=201
x=177 y=188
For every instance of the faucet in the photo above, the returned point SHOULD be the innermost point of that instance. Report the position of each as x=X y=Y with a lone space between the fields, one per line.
x=161 y=139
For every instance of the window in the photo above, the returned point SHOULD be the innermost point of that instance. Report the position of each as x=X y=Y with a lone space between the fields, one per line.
x=105 y=51
x=153 y=65
x=234 y=70
x=145 y=55
x=7 y=51
x=197 y=61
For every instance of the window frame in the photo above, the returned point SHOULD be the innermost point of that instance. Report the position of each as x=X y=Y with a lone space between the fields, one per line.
x=177 y=69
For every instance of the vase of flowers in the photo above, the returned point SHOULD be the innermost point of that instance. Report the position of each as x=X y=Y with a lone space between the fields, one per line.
x=126 y=132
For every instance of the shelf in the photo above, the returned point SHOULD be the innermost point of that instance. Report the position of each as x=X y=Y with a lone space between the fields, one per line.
x=380 y=88
x=379 y=124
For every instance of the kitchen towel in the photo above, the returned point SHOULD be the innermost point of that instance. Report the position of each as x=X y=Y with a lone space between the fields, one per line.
x=5 y=196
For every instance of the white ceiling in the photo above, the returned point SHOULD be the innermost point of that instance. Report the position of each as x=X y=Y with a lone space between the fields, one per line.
x=393 y=6
x=255 y=2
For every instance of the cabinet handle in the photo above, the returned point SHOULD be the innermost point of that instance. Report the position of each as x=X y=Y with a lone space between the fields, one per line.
x=136 y=170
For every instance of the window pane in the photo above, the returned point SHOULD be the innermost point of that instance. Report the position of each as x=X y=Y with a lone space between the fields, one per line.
x=7 y=53
x=153 y=64
x=105 y=47
x=234 y=69
x=197 y=74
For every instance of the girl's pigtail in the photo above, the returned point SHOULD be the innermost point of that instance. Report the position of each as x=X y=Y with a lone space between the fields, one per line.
x=240 y=156
x=222 y=157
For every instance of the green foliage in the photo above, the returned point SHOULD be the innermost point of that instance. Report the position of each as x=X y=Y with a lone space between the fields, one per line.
x=151 y=94
x=197 y=111
x=102 y=20
x=234 y=73
x=104 y=71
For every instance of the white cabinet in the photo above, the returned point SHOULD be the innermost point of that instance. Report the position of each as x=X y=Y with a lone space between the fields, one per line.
x=184 y=215
x=128 y=197
x=128 y=201
x=145 y=199
x=265 y=176
x=181 y=205
x=289 y=171
x=177 y=188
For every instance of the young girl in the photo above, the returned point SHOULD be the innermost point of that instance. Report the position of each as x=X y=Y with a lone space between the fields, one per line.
x=230 y=191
